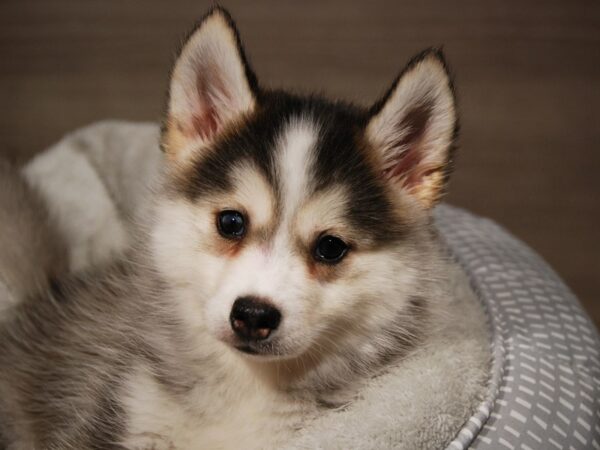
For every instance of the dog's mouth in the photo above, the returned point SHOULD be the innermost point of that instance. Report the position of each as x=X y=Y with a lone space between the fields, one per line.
x=247 y=349
x=259 y=349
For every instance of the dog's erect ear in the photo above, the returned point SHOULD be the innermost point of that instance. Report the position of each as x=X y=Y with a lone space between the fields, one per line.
x=414 y=126
x=211 y=86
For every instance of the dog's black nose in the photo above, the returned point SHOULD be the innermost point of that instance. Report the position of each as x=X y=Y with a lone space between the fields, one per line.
x=252 y=318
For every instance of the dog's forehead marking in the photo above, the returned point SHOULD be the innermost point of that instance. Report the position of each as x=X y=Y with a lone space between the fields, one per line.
x=296 y=154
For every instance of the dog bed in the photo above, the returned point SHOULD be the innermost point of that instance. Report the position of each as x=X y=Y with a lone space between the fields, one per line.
x=545 y=380
x=541 y=390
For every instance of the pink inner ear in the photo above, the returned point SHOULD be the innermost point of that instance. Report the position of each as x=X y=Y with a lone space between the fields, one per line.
x=405 y=168
x=405 y=163
x=205 y=124
x=211 y=95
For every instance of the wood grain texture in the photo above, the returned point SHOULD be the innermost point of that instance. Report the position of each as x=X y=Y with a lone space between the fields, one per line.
x=527 y=74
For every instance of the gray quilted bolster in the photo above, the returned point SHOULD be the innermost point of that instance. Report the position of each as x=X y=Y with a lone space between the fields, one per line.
x=545 y=385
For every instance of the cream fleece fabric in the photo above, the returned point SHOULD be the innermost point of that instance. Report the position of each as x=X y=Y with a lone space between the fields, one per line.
x=95 y=180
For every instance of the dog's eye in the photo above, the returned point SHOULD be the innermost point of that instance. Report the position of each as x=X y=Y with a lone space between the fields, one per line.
x=330 y=249
x=231 y=224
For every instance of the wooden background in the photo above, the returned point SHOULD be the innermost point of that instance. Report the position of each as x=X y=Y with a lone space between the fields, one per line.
x=527 y=75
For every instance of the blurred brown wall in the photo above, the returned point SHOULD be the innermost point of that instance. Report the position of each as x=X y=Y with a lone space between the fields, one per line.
x=527 y=74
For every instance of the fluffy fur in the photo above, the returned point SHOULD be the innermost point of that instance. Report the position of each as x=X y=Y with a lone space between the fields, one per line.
x=141 y=354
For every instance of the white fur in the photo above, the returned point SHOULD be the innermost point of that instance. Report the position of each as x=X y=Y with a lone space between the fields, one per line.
x=237 y=411
x=296 y=154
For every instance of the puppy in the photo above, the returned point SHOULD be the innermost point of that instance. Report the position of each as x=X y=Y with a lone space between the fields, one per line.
x=288 y=255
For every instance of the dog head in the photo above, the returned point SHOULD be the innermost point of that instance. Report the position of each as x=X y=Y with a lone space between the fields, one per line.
x=293 y=223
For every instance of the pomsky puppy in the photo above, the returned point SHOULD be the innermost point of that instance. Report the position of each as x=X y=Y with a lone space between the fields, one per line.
x=289 y=255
